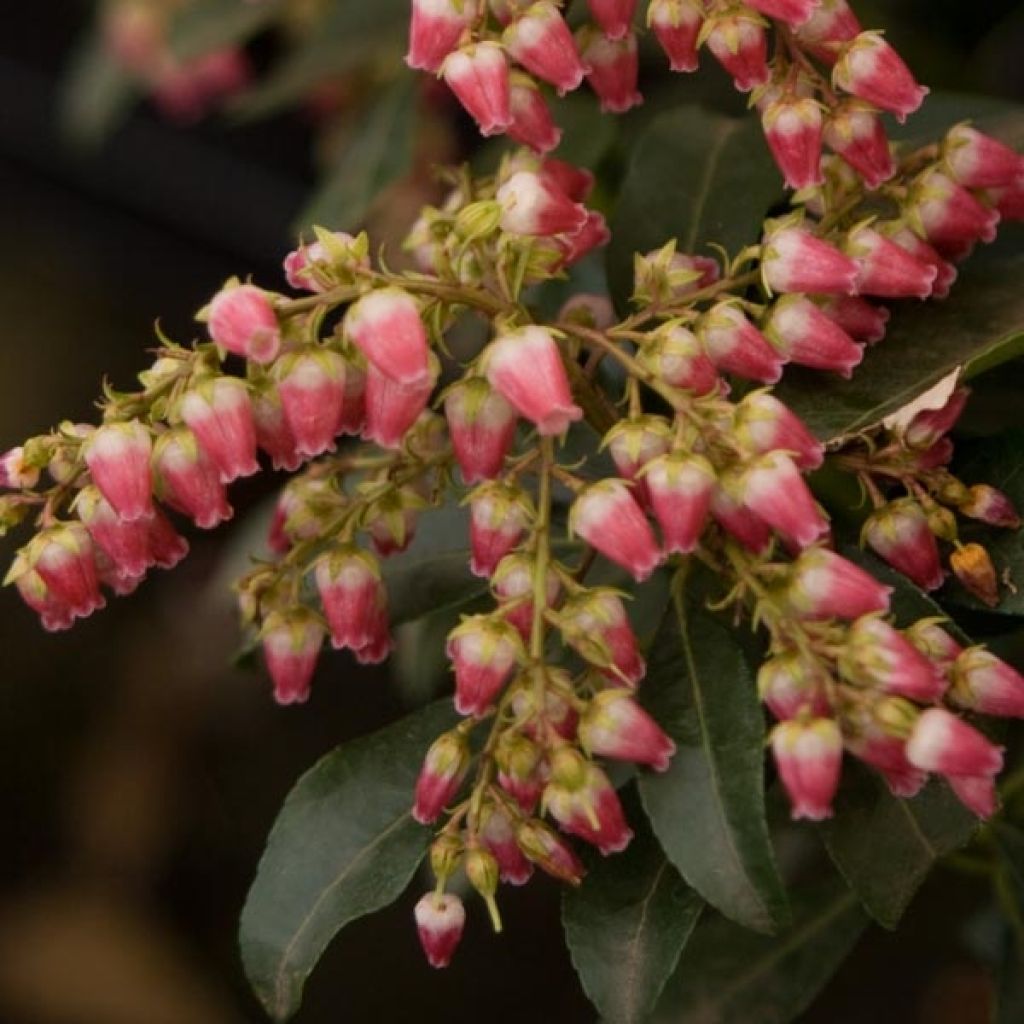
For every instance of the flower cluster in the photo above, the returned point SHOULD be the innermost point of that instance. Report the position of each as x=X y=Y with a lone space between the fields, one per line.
x=546 y=679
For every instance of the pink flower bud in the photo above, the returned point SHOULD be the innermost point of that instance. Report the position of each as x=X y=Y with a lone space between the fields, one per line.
x=943 y=743
x=900 y=534
x=950 y=218
x=242 y=320
x=825 y=585
x=990 y=506
x=886 y=269
x=435 y=30
x=975 y=160
x=513 y=586
x=530 y=205
x=444 y=768
x=548 y=852
x=498 y=517
x=291 y=646
x=498 y=834
x=976 y=792
x=188 y=480
x=595 y=623
x=272 y=431
x=166 y=546
x=541 y=41
x=763 y=424
x=532 y=124
x=311 y=383
x=64 y=558
x=118 y=459
x=593 y=235
x=482 y=426
x=478 y=75
x=391 y=407
x=590 y=809
x=832 y=24
x=793 y=685
x=676 y=24
x=484 y=651
x=774 y=490
x=945 y=274
x=925 y=429
x=982 y=682
x=608 y=518
x=857 y=317
x=878 y=657
x=877 y=735
x=632 y=443
x=439 y=920
x=869 y=68
x=735 y=345
x=809 y=758
x=615 y=726
x=793 y=12
x=525 y=367
x=386 y=327
x=312 y=268
x=794 y=260
x=614 y=16
x=739 y=44
x=680 y=487
x=14 y=474
x=575 y=182
x=125 y=543
x=612 y=70
x=854 y=131
x=54 y=613
x=735 y=518
x=676 y=355
x=792 y=128
x=353 y=598
x=804 y=335
x=219 y=413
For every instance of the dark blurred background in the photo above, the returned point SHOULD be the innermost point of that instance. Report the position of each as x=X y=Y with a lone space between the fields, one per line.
x=139 y=773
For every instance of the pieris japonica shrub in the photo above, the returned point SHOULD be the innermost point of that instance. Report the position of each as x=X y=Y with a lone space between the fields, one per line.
x=696 y=549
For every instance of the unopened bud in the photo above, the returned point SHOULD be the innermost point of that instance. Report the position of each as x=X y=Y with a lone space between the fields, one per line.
x=972 y=566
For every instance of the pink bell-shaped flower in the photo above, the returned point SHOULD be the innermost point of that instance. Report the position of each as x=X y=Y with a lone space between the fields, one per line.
x=809 y=758
x=291 y=645
x=188 y=480
x=219 y=413
x=241 y=319
x=481 y=425
x=608 y=518
x=681 y=487
x=439 y=923
x=615 y=726
x=118 y=455
x=435 y=29
x=311 y=384
x=484 y=651
x=479 y=76
x=385 y=326
x=870 y=69
x=541 y=41
x=676 y=24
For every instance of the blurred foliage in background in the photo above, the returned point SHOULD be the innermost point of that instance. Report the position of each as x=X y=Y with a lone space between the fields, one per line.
x=140 y=771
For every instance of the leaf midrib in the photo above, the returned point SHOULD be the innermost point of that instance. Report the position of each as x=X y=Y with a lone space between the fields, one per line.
x=633 y=957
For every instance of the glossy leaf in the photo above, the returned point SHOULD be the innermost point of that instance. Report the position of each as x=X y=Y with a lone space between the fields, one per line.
x=344 y=844
x=980 y=322
x=884 y=846
x=626 y=926
x=728 y=975
x=708 y=809
x=695 y=176
x=995 y=461
x=378 y=153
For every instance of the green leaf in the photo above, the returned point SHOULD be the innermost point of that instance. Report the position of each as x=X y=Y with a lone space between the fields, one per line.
x=379 y=152
x=728 y=975
x=982 y=321
x=626 y=926
x=884 y=846
x=708 y=809
x=96 y=95
x=352 y=34
x=344 y=844
x=214 y=24
x=698 y=177
x=995 y=461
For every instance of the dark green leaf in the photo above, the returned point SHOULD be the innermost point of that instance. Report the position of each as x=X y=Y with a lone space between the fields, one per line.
x=343 y=845
x=352 y=34
x=378 y=153
x=728 y=975
x=586 y=132
x=996 y=461
x=626 y=926
x=884 y=847
x=695 y=176
x=708 y=808
x=983 y=319
x=96 y=95
x=214 y=24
